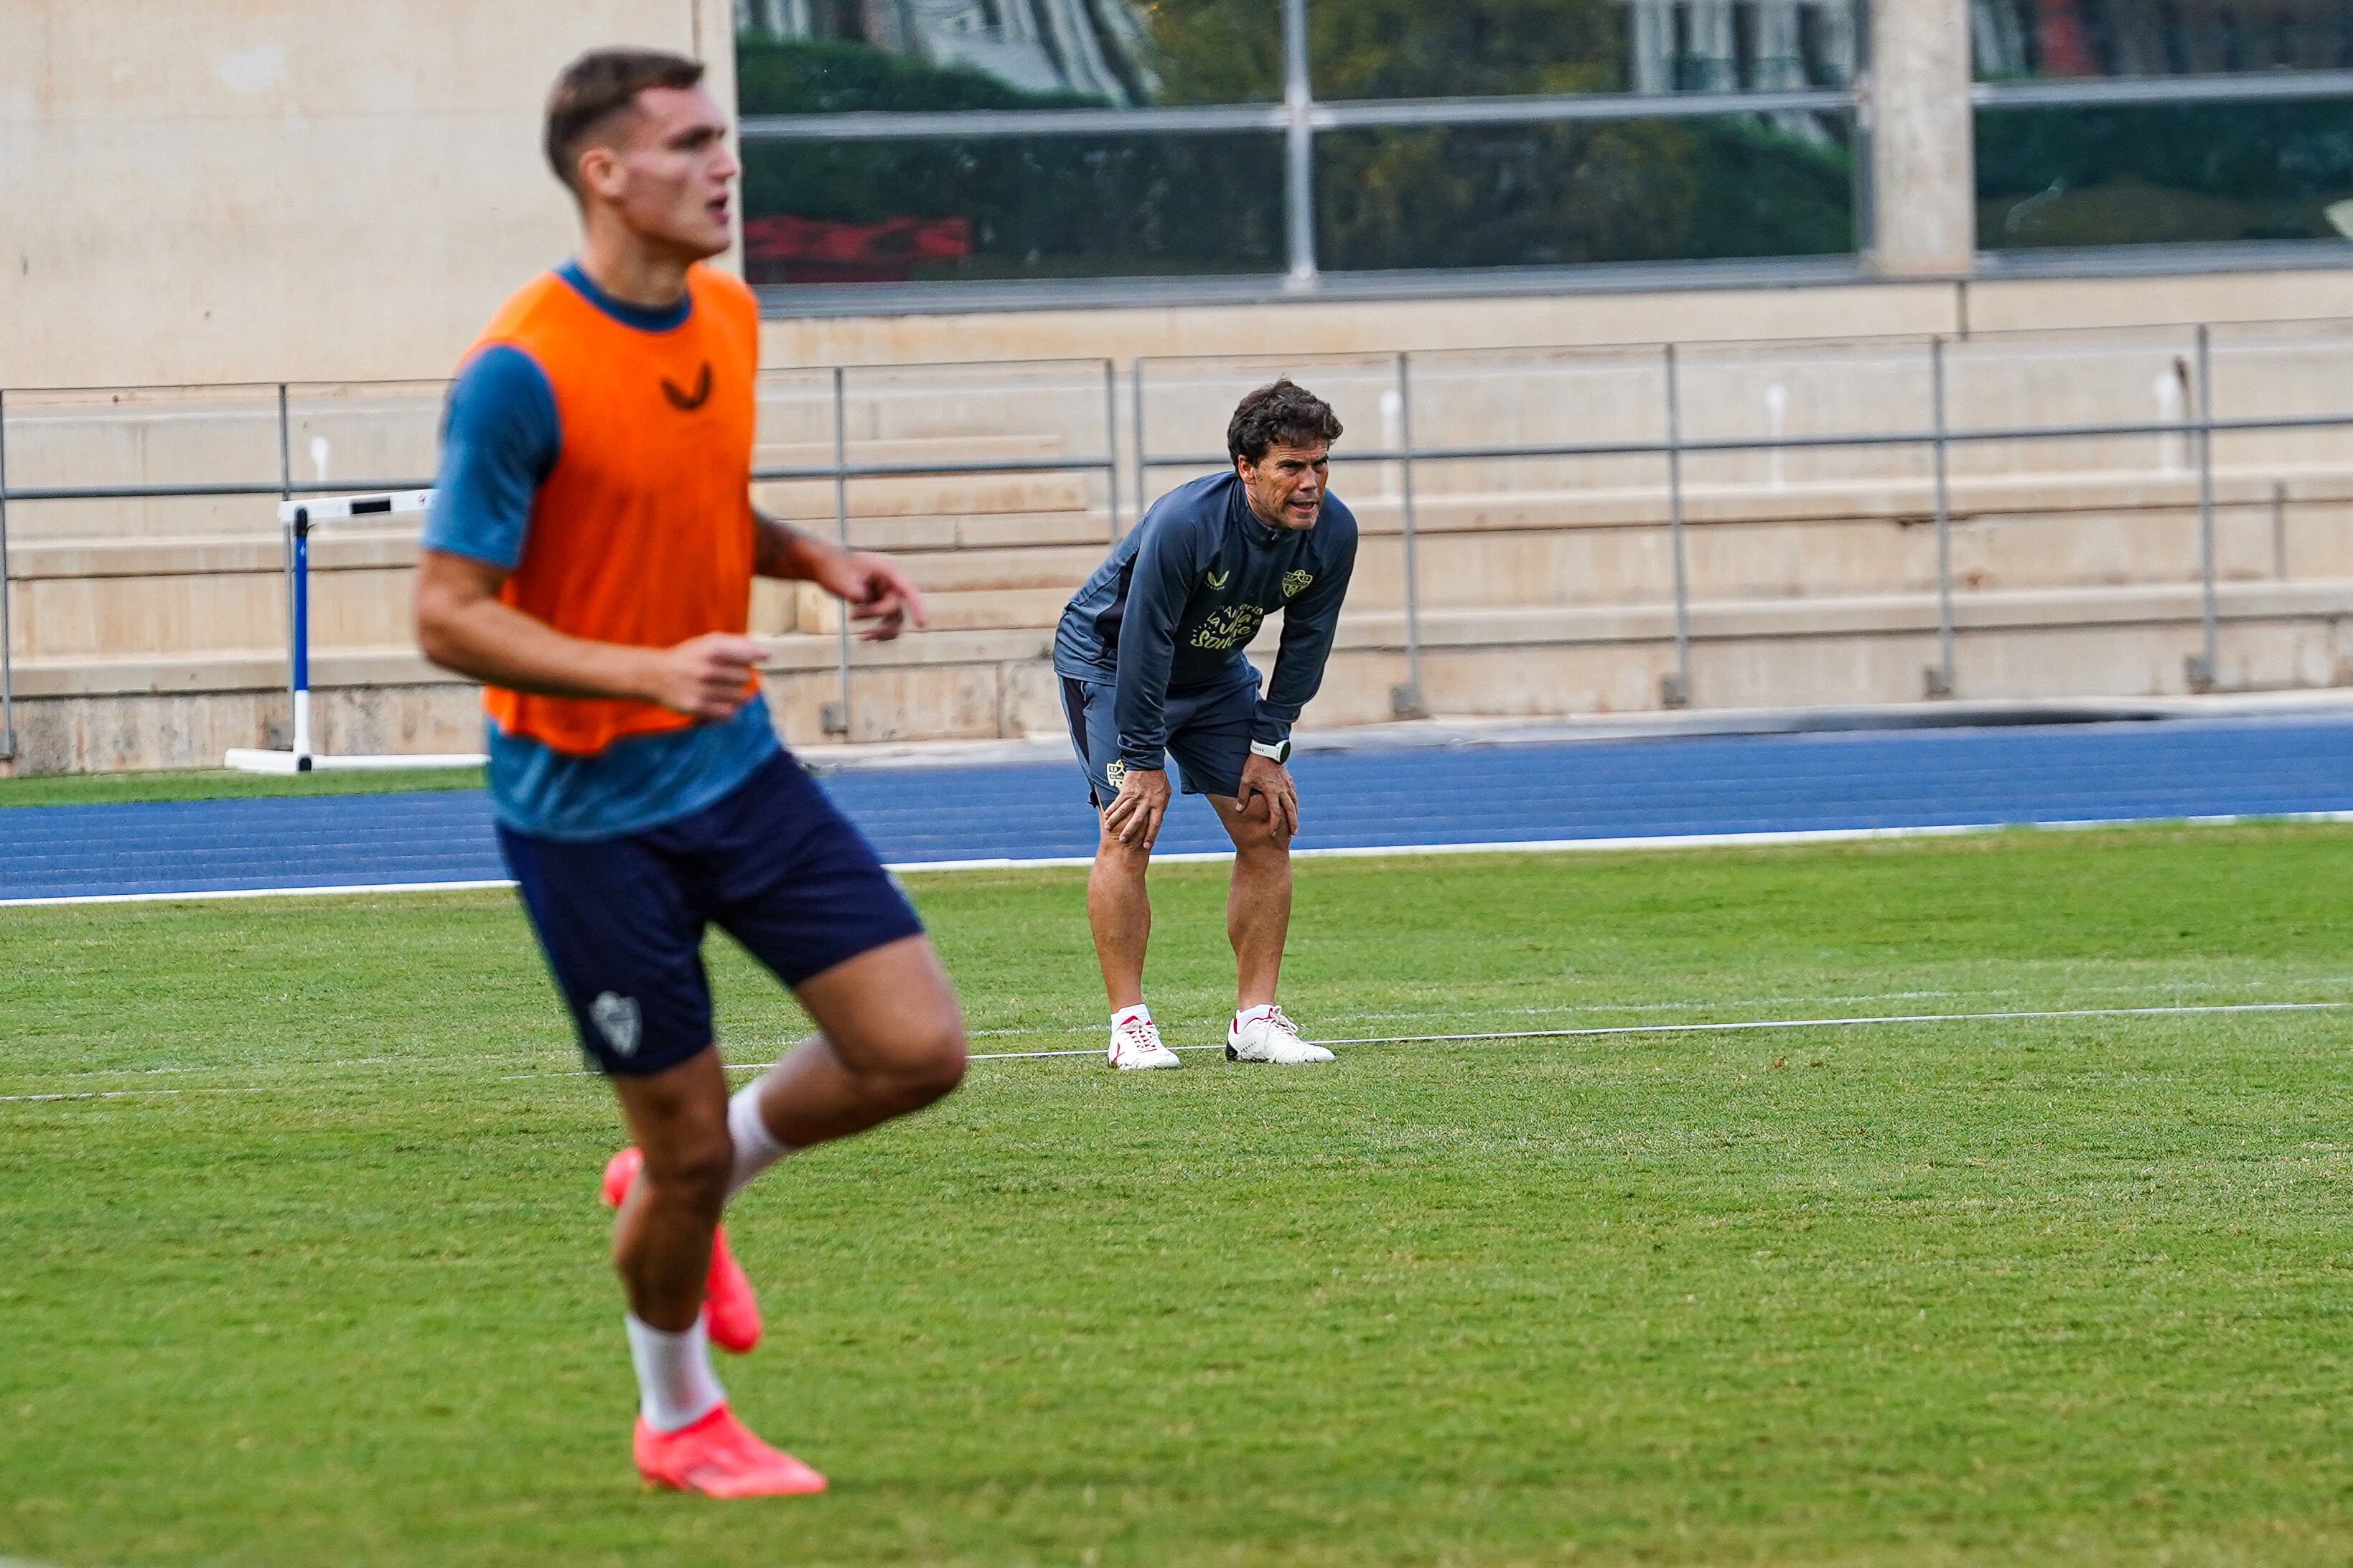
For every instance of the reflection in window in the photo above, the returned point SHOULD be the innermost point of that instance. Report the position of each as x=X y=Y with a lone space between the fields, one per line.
x=2017 y=38
x=2151 y=176
x=1546 y=195
x=1447 y=48
x=1001 y=207
x=1020 y=53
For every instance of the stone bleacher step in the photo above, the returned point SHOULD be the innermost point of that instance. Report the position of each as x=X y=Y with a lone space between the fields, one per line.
x=812 y=501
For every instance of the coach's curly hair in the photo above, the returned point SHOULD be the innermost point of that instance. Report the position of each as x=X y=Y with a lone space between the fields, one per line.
x=1284 y=414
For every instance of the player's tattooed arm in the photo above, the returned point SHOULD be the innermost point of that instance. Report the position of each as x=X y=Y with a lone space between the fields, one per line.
x=876 y=588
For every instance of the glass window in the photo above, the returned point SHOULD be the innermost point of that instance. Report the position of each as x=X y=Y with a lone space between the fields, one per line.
x=2172 y=173
x=1447 y=48
x=1546 y=195
x=2024 y=38
x=817 y=57
x=996 y=207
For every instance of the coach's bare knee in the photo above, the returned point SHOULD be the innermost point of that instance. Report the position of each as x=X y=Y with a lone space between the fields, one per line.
x=1113 y=856
x=1256 y=841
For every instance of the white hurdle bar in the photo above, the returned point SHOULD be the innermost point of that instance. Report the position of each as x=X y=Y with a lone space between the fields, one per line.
x=299 y=517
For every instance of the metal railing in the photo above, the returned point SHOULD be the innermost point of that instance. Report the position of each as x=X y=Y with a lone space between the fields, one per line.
x=2200 y=426
x=1133 y=461
x=840 y=472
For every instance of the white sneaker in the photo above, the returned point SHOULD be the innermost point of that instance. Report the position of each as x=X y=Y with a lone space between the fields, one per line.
x=1270 y=1037
x=1135 y=1048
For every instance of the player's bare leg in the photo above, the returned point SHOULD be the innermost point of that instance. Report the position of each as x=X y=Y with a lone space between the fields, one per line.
x=686 y=1436
x=891 y=1040
x=1258 y=924
x=662 y=1241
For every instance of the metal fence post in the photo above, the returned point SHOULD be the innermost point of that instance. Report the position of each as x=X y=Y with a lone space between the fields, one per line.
x=1940 y=680
x=1674 y=692
x=1405 y=701
x=1111 y=446
x=2202 y=668
x=7 y=656
x=295 y=632
x=833 y=718
x=1135 y=397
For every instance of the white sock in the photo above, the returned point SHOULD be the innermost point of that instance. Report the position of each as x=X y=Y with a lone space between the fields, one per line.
x=676 y=1386
x=1124 y=1014
x=757 y=1147
x=1252 y=1014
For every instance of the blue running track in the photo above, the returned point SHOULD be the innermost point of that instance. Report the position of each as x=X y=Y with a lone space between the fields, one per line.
x=1372 y=798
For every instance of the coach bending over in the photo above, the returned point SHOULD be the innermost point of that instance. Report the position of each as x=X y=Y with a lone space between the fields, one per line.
x=1150 y=655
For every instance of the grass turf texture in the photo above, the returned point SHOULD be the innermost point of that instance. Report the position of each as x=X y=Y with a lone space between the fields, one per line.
x=220 y=784
x=2068 y=1291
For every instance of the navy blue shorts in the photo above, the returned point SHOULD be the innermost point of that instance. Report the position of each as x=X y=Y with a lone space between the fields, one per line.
x=772 y=864
x=1208 y=735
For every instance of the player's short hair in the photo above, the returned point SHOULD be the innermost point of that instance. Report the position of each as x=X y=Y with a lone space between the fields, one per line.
x=1282 y=414
x=597 y=86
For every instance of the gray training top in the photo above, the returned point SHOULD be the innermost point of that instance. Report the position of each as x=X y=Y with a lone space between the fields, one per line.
x=1183 y=594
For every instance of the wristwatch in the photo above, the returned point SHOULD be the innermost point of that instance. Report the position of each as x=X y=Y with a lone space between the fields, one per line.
x=1279 y=753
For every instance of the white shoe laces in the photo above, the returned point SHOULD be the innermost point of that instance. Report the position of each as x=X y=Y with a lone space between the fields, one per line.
x=1277 y=1019
x=1136 y=1036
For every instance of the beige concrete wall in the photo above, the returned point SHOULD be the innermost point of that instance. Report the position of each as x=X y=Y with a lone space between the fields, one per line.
x=224 y=190
x=1569 y=320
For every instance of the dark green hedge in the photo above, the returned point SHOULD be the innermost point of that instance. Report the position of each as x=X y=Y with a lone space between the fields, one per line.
x=2213 y=172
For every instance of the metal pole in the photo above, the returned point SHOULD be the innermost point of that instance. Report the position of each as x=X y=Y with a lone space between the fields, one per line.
x=1111 y=446
x=1405 y=701
x=1940 y=680
x=301 y=535
x=298 y=699
x=1675 y=690
x=7 y=669
x=2202 y=670
x=1299 y=144
x=838 y=722
x=1135 y=396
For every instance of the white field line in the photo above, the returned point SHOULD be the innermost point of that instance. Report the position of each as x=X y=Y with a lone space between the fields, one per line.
x=1368 y=852
x=298 y=1067
x=1727 y=1027
x=1741 y=1026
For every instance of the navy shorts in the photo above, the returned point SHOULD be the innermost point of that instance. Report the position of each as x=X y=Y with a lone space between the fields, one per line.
x=1208 y=735
x=771 y=863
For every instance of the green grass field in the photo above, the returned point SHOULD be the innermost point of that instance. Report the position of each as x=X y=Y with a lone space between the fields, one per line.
x=326 y=1283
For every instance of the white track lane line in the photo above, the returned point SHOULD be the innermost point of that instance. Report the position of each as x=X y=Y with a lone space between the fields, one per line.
x=1516 y=846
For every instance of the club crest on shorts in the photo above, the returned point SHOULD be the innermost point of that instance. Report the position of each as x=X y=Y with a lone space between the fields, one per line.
x=620 y=1021
x=1295 y=583
x=1115 y=770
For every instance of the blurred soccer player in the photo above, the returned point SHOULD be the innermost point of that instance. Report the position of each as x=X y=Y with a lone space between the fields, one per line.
x=589 y=556
x=1150 y=655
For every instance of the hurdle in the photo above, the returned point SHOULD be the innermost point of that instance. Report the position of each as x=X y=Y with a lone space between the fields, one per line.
x=299 y=517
